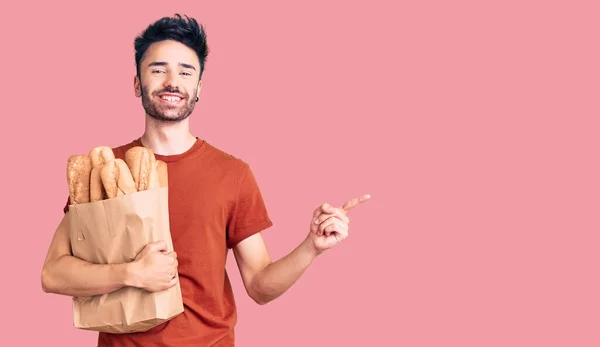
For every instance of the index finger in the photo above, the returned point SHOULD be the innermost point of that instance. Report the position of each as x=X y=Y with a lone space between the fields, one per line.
x=354 y=202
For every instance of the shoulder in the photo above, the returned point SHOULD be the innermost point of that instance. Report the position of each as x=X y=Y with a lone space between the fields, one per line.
x=226 y=159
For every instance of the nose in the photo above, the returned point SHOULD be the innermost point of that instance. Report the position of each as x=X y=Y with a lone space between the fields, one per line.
x=170 y=81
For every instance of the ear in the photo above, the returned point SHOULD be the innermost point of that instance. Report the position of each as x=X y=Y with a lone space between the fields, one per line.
x=199 y=88
x=137 y=87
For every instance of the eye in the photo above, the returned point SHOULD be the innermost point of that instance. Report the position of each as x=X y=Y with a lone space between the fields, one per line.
x=157 y=71
x=186 y=73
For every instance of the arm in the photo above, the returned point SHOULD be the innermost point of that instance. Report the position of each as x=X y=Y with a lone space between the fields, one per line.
x=64 y=274
x=265 y=280
x=67 y=275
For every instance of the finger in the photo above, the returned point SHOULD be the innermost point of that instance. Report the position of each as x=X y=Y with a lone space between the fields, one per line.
x=173 y=281
x=336 y=229
x=320 y=209
x=339 y=227
x=325 y=208
x=319 y=212
x=338 y=214
x=314 y=228
x=324 y=225
x=354 y=202
x=330 y=229
x=170 y=257
x=338 y=217
x=172 y=260
x=316 y=212
x=319 y=228
x=158 y=246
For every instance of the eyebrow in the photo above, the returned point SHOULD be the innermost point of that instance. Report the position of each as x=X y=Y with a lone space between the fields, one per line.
x=164 y=63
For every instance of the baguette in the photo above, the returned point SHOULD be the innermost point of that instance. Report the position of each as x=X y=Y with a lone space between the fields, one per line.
x=140 y=161
x=163 y=174
x=79 y=168
x=117 y=179
x=154 y=180
x=100 y=155
x=125 y=182
x=97 y=191
x=110 y=178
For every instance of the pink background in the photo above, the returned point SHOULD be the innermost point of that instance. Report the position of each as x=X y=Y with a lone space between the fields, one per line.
x=473 y=125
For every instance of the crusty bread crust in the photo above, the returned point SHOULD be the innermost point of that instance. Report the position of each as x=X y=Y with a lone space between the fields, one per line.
x=110 y=177
x=79 y=169
x=140 y=161
x=100 y=155
x=163 y=174
x=125 y=182
x=97 y=191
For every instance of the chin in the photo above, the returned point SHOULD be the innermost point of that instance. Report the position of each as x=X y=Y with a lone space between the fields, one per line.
x=168 y=114
x=170 y=117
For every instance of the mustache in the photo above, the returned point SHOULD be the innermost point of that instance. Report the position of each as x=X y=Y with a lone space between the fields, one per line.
x=171 y=91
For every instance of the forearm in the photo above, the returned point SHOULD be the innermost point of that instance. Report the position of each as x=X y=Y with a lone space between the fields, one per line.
x=279 y=276
x=68 y=275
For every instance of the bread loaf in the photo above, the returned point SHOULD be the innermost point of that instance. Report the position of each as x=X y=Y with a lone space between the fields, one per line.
x=100 y=155
x=163 y=175
x=125 y=182
x=100 y=175
x=154 y=180
x=79 y=169
x=97 y=191
x=140 y=161
x=110 y=178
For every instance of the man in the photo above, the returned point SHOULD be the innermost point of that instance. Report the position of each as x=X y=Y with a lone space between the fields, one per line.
x=214 y=205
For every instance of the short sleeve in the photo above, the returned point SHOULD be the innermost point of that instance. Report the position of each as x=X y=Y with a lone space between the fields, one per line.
x=249 y=214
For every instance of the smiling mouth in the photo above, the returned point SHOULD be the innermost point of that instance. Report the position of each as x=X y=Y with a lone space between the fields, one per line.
x=170 y=98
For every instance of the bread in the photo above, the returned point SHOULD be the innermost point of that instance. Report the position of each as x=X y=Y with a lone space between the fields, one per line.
x=100 y=155
x=99 y=175
x=140 y=161
x=163 y=175
x=125 y=182
x=110 y=178
x=117 y=179
x=97 y=191
x=79 y=169
x=154 y=180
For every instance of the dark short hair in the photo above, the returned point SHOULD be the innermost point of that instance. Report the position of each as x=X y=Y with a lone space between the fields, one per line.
x=186 y=31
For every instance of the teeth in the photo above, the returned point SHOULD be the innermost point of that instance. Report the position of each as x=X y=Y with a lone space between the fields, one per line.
x=170 y=98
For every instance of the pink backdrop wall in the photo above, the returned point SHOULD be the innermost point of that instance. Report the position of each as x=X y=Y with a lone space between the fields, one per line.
x=474 y=126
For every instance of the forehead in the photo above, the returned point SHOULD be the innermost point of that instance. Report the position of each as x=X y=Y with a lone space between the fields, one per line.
x=172 y=52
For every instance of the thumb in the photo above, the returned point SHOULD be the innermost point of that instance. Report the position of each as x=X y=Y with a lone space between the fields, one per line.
x=327 y=208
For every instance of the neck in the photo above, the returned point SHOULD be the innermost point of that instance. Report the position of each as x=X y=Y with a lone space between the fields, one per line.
x=165 y=138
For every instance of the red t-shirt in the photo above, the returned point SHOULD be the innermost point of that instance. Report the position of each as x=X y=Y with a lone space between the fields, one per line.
x=214 y=203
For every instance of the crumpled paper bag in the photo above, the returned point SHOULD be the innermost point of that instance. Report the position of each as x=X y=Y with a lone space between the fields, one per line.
x=114 y=231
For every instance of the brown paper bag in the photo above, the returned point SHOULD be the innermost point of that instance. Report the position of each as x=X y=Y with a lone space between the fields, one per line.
x=115 y=231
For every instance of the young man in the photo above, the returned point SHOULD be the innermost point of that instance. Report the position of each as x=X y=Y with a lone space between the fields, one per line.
x=214 y=205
